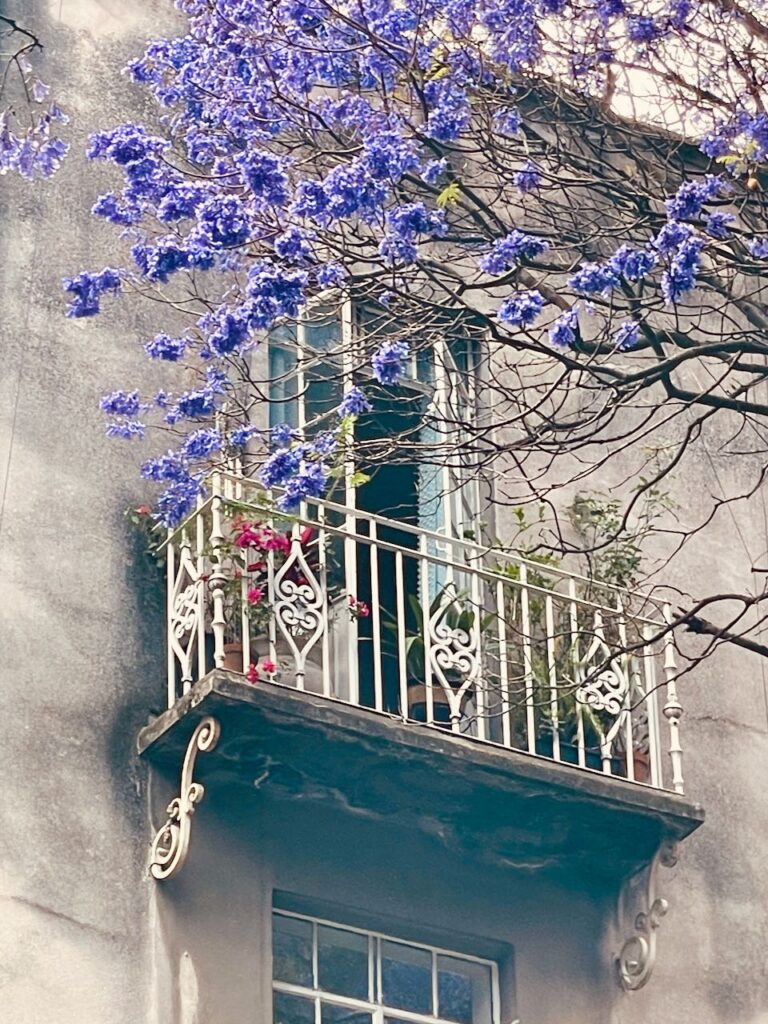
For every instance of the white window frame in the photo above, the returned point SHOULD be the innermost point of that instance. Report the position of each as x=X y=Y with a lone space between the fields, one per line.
x=377 y=1010
x=460 y=509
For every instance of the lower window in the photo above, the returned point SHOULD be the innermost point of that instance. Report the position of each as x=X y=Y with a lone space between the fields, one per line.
x=325 y=973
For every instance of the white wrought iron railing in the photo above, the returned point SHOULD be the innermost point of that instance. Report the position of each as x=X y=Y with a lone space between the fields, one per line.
x=438 y=631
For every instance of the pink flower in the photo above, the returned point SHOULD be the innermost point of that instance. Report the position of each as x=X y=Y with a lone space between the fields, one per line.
x=358 y=609
x=255 y=594
x=268 y=666
x=252 y=675
x=278 y=542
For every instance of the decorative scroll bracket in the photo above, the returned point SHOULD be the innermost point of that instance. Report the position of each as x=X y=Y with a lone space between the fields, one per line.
x=638 y=954
x=171 y=843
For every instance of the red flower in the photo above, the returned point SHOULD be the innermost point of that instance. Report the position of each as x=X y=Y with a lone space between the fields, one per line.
x=255 y=595
x=143 y=510
x=252 y=675
x=268 y=666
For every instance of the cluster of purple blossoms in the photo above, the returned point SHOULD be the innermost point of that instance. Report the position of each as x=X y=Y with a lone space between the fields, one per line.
x=330 y=275
x=671 y=236
x=282 y=466
x=718 y=225
x=404 y=225
x=744 y=134
x=594 y=279
x=162 y=346
x=35 y=151
x=294 y=246
x=179 y=498
x=198 y=404
x=644 y=29
x=521 y=310
x=450 y=111
x=274 y=292
x=528 y=177
x=354 y=403
x=627 y=336
x=508 y=121
x=240 y=436
x=562 y=333
x=512 y=249
x=234 y=206
x=680 y=278
x=201 y=444
x=86 y=290
x=121 y=403
x=690 y=199
x=282 y=435
x=265 y=176
x=390 y=361
x=310 y=482
x=300 y=471
x=632 y=264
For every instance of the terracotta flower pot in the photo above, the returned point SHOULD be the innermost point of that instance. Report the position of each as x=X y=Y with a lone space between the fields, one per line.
x=441 y=705
x=641 y=760
x=233 y=657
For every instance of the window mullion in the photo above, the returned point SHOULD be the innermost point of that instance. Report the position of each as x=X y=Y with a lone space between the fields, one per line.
x=301 y=350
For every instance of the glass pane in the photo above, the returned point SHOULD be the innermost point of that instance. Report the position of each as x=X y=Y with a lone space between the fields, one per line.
x=323 y=389
x=463 y=991
x=283 y=384
x=322 y=329
x=406 y=977
x=343 y=1015
x=293 y=1009
x=342 y=962
x=292 y=950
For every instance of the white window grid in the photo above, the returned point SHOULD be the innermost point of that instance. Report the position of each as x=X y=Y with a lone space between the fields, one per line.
x=379 y=1012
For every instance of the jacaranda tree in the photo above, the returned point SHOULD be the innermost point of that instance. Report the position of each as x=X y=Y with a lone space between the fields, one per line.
x=578 y=185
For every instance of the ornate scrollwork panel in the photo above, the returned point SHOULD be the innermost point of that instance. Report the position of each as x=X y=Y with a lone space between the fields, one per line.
x=453 y=652
x=637 y=958
x=186 y=609
x=607 y=692
x=298 y=603
x=171 y=843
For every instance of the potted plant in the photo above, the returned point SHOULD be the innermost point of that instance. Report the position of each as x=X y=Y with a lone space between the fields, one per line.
x=453 y=657
x=245 y=557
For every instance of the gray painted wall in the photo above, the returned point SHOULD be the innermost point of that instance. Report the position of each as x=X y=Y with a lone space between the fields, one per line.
x=80 y=635
x=85 y=936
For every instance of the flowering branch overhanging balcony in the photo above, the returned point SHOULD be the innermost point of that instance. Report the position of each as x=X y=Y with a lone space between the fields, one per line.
x=438 y=632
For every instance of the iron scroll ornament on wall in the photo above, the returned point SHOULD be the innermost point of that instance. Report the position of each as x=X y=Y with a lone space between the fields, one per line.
x=171 y=843
x=637 y=958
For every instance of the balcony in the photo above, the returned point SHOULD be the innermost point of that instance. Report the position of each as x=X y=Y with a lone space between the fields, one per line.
x=346 y=647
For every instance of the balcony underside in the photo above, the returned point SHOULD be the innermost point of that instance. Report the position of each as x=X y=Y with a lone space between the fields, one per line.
x=497 y=805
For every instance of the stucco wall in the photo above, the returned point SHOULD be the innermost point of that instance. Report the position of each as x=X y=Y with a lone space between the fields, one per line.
x=80 y=635
x=85 y=937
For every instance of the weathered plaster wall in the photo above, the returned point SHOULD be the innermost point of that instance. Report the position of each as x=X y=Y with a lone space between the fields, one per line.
x=83 y=663
x=400 y=882
x=80 y=635
x=711 y=945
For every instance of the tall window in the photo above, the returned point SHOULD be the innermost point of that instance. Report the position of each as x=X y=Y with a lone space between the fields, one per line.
x=328 y=974
x=433 y=410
